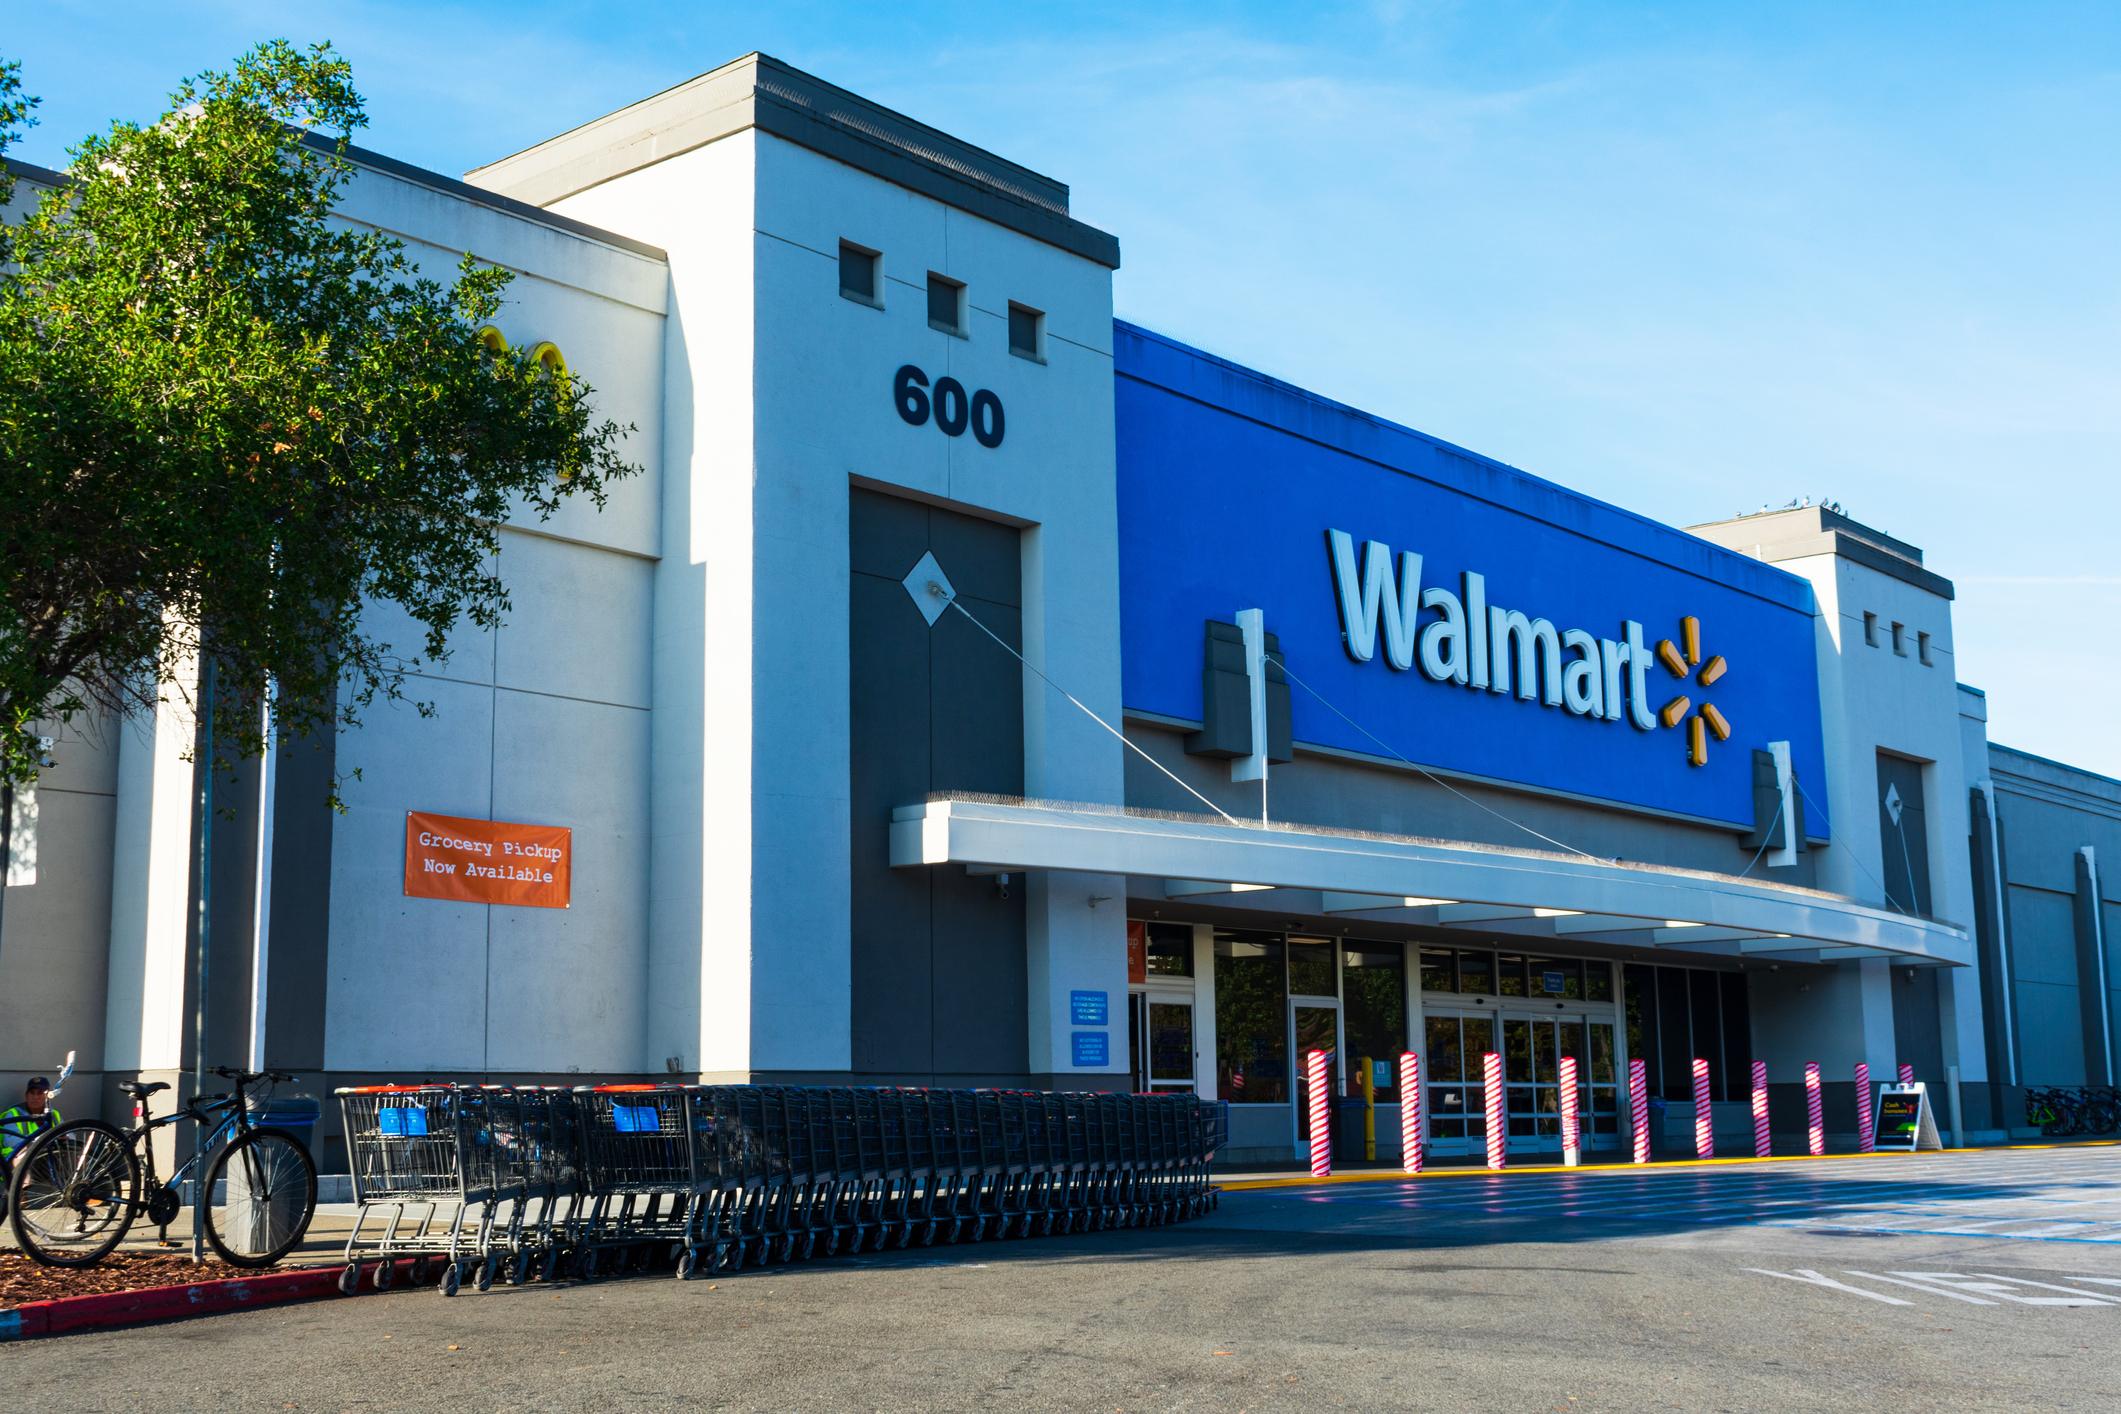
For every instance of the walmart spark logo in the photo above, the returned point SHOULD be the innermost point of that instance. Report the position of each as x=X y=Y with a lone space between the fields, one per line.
x=1681 y=663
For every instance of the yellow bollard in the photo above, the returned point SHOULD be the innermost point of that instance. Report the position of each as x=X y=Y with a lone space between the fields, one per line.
x=1369 y=1109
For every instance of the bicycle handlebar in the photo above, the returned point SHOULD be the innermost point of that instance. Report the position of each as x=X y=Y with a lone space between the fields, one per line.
x=246 y=1077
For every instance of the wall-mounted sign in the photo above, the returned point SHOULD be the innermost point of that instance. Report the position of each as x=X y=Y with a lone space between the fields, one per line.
x=1468 y=616
x=487 y=861
x=1091 y=1048
x=953 y=408
x=1089 y=1009
x=1470 y=641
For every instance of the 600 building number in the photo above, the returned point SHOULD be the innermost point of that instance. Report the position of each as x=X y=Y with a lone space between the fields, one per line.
x=953 y=409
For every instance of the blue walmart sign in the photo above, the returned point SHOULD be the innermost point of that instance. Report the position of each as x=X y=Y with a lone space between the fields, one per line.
x=1474 y=618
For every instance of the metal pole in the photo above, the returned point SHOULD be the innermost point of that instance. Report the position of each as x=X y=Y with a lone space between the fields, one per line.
x=205 y=853
x=1951 y=1074
x=1369 y=1109
x=261 y=907
x=7 y=845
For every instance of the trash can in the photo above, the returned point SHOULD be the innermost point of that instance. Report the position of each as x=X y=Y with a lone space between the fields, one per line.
x=297 y=1114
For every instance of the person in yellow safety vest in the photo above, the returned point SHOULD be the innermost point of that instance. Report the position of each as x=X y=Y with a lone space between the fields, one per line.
x=27 y=1120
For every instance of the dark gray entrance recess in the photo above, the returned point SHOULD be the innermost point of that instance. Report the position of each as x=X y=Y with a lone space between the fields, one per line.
x=938 y=955
x=1903 y=833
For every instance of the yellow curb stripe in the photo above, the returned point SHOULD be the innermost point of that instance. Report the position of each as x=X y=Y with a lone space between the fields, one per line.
x=1308 y=1181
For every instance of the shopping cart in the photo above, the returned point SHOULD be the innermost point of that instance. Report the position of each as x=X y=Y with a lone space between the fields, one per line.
x=645 y=1169
x=517 y=1181
x=438 y=1172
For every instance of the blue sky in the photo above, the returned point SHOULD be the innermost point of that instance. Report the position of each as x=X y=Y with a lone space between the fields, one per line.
x=1688 y=258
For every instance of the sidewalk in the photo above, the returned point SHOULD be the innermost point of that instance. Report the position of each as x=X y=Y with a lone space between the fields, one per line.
x=1388 y=1170
x=323 y=1245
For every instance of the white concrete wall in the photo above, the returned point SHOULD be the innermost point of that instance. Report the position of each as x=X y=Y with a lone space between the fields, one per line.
x=758 y=903
x=1965 y=1016
x=57 y=944
x=1870 y=699
x=700 y=208
x=545 y=720
x=826 y=414
x=145 y=1016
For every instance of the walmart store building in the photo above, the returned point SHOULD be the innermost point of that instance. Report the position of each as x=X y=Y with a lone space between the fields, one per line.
x=1419 y=750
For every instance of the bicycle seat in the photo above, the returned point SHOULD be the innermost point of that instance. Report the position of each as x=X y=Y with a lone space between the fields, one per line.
x=141 y=1089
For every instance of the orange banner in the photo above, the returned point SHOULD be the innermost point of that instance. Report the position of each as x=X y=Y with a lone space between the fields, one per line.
x=487 y=861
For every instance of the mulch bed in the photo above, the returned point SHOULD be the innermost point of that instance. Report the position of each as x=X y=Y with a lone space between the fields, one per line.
x=23 y=1280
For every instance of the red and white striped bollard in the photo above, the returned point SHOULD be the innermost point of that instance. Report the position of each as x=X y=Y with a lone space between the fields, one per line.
x=1815 y=1125
x=1866 y=1124
x=1761 y=1146
x=1704 y=1117
x=1410 y=1112
x=1639 y=1107
x=1571 y=1134
x=1498 y=1123
x=1320 y=1108
x=1907 y=1073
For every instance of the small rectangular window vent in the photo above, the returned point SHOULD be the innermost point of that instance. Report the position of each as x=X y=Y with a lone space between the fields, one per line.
x=858 y=274
x=946 y=305
x=1027 y=332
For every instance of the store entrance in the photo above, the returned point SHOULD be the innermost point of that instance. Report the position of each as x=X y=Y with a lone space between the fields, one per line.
x=1455 y=1043
x=1532 y=1048
x=1160 y=1042
x=1315 y=1022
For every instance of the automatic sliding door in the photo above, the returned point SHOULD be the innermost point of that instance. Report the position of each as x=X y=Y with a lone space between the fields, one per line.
x=1603 y=1125
x=1456 y=1108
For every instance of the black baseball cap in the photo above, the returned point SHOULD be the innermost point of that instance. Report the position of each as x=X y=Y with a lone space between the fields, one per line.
x=38 y=1082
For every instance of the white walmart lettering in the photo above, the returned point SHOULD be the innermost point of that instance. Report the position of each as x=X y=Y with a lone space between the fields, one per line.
x=1474 y=644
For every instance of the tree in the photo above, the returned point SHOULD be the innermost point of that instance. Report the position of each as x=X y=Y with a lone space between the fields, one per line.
x=229 y=426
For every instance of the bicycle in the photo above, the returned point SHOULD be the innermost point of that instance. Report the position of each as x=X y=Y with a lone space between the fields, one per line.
x=2055 y=1112
x=78 y=1188
x=2096 y=1110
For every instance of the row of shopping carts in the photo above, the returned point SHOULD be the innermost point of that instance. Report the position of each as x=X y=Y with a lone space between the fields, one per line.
x=518 y=1183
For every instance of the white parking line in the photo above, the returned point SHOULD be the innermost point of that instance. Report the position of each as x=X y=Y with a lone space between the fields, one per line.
x=2022 y=1281
x=1811 y=1278
x=1923 y=1286
x=1978 y=1289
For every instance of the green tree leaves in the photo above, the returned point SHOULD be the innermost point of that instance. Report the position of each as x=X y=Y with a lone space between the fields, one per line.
x=231 y=424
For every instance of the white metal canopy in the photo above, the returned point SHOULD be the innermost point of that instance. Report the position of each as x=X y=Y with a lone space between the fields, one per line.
x=1435 y=883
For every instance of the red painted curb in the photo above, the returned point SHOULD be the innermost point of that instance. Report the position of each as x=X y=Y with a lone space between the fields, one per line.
x=160 y=1303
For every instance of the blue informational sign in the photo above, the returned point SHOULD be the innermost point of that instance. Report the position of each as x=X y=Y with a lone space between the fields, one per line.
x=1089 y=1009
x=1239 y=492
x=1554 y=982
x=1091 y=1047
x=635 y=1119
x=402 y=1121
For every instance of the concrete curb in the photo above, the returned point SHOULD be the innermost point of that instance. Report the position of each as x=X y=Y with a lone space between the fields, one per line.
x=1230 y=1185
x=161 y=1303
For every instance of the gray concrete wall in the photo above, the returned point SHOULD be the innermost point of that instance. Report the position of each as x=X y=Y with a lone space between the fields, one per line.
x=2047 y=812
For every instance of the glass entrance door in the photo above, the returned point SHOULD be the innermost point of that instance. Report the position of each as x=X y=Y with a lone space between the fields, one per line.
x=1455 y=1043
x=1316 y=1024
x=1532 y=1048
x=1160 y=1035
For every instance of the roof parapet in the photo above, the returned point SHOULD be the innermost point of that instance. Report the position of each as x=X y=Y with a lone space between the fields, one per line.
x=758 y=91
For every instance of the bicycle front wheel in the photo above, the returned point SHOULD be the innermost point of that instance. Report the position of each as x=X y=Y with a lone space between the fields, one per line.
x=264 y=1188
x=70 y=1201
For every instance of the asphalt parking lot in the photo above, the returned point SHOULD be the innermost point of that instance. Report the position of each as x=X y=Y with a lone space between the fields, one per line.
x=1986 y=1281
